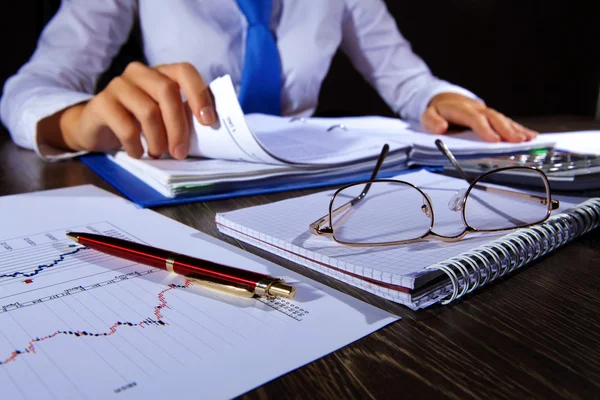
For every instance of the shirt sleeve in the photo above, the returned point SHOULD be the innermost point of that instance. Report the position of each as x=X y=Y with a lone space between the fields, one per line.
x=378 y=50
x=74 y=49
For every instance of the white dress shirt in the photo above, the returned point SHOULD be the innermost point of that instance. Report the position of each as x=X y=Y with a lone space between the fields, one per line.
x=78 y=44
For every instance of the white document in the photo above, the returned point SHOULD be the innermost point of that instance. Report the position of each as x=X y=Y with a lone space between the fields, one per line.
x=323 y=141
x=327 y=140
x=283 y=140
x=230 y=138
x=582 y=142
x=79 y=324
x=250 y=148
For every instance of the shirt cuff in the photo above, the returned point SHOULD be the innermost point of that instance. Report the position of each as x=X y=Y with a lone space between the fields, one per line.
x=40 y=105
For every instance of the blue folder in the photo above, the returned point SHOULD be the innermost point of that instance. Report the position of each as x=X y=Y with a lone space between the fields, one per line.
x=145 y=196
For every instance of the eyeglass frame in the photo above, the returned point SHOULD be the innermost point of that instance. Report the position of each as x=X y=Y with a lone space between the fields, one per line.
x=552 y=204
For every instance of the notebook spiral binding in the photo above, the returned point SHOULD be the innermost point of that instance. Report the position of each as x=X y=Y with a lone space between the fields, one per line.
x=500 y=257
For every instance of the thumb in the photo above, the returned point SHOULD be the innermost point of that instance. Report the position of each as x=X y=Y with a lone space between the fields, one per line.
x=433 y=121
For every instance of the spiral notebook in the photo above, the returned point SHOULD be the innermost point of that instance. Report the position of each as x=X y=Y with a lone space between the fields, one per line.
x=417 y=274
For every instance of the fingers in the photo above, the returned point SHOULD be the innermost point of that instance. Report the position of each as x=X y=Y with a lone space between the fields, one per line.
x=120 y=122
x=148 y=99
x=194 y=89
x=489 y=124
x=509 y=130
x=165 y=92
x=146 y=111
x=504 y=127
x=529 y=134
x=434 y=122
x=471 y=117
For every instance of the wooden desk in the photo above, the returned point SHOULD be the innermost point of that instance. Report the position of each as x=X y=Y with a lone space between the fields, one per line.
x=535 y=334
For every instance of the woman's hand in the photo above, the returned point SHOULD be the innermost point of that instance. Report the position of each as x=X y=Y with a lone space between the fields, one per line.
x=452 y=108
x=142 y=99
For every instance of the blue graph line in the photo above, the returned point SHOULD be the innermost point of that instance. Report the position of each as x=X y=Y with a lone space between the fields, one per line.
x=40 y=268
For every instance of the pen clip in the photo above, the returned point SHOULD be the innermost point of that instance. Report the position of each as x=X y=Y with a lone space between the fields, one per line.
x=242 y=291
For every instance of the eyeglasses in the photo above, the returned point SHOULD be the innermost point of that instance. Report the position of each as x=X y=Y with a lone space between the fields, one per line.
x=383 y=212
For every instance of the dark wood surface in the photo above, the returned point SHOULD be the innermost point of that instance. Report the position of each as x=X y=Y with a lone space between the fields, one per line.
x=535 y=334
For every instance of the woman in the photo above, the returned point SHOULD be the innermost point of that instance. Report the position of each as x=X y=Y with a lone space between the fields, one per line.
x=276 y=51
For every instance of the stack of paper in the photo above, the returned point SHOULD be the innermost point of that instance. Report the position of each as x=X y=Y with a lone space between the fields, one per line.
x=172 y=178
x=256 y=149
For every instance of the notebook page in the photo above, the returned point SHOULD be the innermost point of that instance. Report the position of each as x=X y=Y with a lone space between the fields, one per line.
x=286 y=223
x=277 y=248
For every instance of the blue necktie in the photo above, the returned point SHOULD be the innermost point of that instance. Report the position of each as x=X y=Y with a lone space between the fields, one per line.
x=260 y=90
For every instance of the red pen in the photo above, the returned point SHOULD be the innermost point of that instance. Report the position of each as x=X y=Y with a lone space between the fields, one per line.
x=207 y=273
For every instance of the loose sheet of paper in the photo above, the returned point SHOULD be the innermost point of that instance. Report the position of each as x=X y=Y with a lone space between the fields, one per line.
x=76 y=323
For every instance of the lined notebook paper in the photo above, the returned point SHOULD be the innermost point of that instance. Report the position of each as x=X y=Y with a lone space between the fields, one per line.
x=417 y=274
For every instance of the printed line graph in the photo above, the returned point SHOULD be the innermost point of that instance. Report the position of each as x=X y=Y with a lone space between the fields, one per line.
x=42 y=267
x=157 y=320
x=44 y=258
x=92 y=326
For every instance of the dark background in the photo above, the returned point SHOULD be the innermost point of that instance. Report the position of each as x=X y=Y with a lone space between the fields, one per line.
x=527 y=57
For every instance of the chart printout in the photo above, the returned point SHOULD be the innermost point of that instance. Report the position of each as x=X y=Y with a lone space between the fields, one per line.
x=77 y=323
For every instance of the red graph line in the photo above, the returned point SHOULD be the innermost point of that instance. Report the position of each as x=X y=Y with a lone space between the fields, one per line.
x=157 y=320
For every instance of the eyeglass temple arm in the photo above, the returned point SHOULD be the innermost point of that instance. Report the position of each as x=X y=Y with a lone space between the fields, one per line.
x=446 y=151
x=316 y=228
x=541 y=199
x=538 y=199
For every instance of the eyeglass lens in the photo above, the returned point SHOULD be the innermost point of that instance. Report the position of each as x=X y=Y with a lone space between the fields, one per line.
x=391 y=211
x=394 y=211
x=487 y=209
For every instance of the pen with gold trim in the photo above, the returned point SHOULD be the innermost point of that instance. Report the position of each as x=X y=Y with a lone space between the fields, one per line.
x=207 y=273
